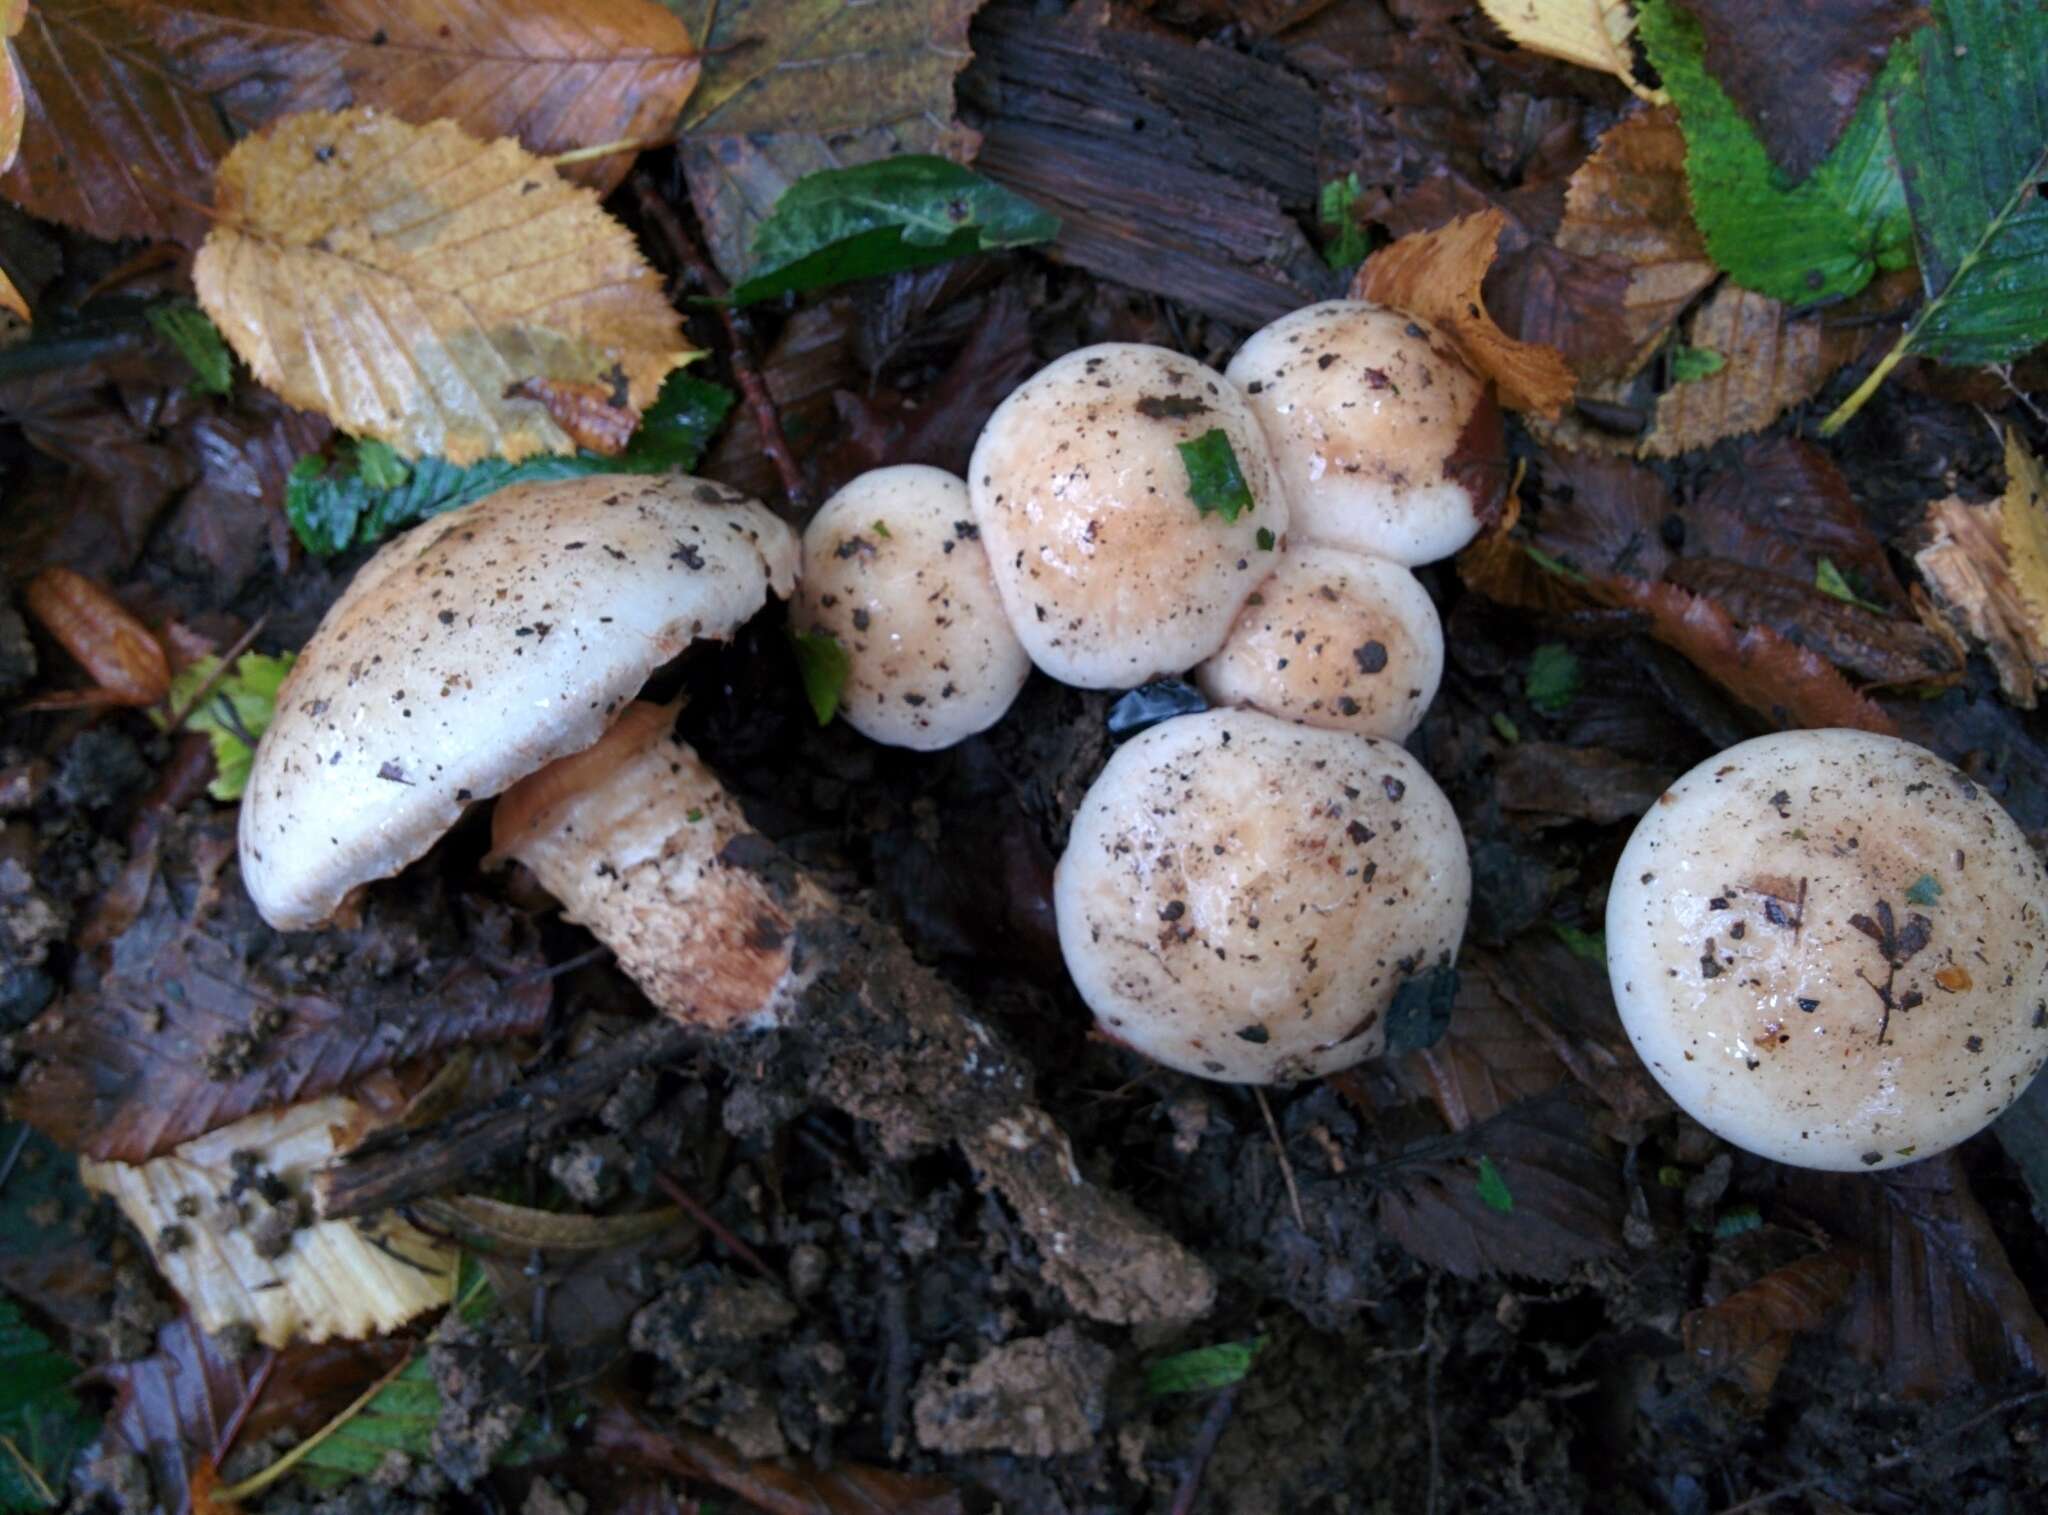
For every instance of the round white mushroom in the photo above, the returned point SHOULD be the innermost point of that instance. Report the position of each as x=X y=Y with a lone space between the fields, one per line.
x=1114 y=567
x=1385 y=441
x=1242 y=898
x=1333 y=639
x=894 y=571
x=1830 y=948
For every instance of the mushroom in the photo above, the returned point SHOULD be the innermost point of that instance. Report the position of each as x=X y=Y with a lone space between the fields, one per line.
x=1242 y=898
x=1112 y=564
x=490 y=642
x=1333 y=639
x=1830 y=948
x=1386 y=443
x=894 y=571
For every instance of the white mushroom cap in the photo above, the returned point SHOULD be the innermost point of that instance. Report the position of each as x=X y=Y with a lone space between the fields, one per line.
x=477 y=647
x=1333 y=639
x=1110 y=572
x=1385 y=441
x=894 y=570
x=1830 y=948
x=1241 y=898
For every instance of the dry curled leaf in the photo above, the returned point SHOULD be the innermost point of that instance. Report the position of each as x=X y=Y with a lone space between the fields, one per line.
x=1628 y=201
x=1591 y=33
x=1770 y=362
x=552 y=74
x=402 y=279
x=1747 y=1335
x=1437 y=275
x=1988 y=568
x=12 y=14
x=227 y=1221
x=126 y=661
x=11 y=300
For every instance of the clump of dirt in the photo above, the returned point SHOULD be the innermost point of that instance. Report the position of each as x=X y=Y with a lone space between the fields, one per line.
x=485 y=1394
x=1042 y=1396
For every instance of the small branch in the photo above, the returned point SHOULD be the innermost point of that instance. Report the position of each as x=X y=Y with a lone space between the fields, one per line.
x=683 y=250
x=689 y=1204
x=1213 y=1425
x=1280 y=1151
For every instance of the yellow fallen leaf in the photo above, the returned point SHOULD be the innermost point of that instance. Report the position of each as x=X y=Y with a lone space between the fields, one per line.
x=1773 y=362
x=10 y=298
x=1591 y=33
x=1988 y=567
x=1628 y=201
x=218 y=1215
x=12 y=107
x=1436 y=275
x=402 y=279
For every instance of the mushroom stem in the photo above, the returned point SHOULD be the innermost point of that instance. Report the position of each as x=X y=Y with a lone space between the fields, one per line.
x=632 y=836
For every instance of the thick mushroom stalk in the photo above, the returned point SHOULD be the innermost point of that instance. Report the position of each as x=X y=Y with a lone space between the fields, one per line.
x=630 y=836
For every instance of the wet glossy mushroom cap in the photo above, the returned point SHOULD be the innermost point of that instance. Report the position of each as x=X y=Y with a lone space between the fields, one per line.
x=1241 y=897
x=1830 y=948
x=477 y=647
x=1333 y=639
x=1111 y=573
x=1385 y=441
x=894 y=570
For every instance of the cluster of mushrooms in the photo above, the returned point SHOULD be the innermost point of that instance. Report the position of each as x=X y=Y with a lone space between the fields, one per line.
x=1828 y=946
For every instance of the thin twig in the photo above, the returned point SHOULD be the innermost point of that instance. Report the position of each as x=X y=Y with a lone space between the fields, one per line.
x=1204 y=1448
x=13 y=1155
x=1429 y=1371
x=697 y=1212
x=684 y=250
x=1286 y=1168
x=250 y=1395
x=221 y=670
x=1886 y=1464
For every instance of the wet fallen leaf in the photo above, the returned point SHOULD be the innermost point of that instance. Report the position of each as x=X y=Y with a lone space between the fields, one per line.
x=1437 y=275
x=1561 y=993
x=811 y=361
x=47 y=1256
x=1487 y=1061
x=198 y=1015
x=110 y=142
x=1628 y=202
x=1553 y=783
x=552 y=74
x=1591 y=33
x=12 y=14
x=401 y=279
x=127 y=663
x=1578 y=305
x=226 y=1219
x=1774 y=361
x=1876 y=648
x=1988 y=567
x=794 y=86
x=1939 y=1308
x=1747 y=1335
x=1604 y=515
x=11 y=300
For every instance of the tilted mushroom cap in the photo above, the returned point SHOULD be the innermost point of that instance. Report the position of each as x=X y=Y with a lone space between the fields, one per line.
x=1385 y=441
x=1110 y=572
x=1830 y=948
x=474 y=649
x=1241 y=898
x=894 y=570
x=1333 y=639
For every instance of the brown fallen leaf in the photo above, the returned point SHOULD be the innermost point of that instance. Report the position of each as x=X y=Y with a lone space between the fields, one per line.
x=1988 y=568
x=11 y=300
x=126 y=661
x=13 y=13
x=1552 y=783
x=1578 y=305
x=1879 y=649
x=1770 y=362
x=1437 y=275
x=1628 y=202
x=1488 y=1059
x=1563 y=996
x=590 y=413
x=400 y=279
x=110 y=142
x=1747 y=1335
x=551 y=74
x=1604 y=515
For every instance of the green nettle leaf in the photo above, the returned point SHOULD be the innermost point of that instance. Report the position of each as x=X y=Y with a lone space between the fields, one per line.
x=1821 y=239
x=186 y=327
x=1493 y=1189
x=1969 y=123
x=42 y=1424
x=1215 y=482
x=1216 y=1367
x=1925 y=891
x=881 y=217
x=1553 y=678
x=1589 y=945
x=369 y=491
x=1348 y=241
x=1828 y=579
x=825 y=666
x=1691 y=364
x=235 y=712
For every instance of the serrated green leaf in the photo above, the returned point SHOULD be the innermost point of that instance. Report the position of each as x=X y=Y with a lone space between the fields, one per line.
x=237 y=710
x=1552 y=681
x=1215 y=481
x=368 y=491
x=42 y=1424
x=1348 y=243
x=879 y=218
x=186 y=327
x=1820 y=239
x=1691 y=364
x=824 y=667
x=1216 y=1367
x=1493 y=1189
x=1589 y=945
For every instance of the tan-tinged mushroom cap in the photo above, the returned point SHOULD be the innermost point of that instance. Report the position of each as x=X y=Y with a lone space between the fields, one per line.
x=1241 y=898
x=1831 y=948
x=1333 y=639
x=895 y=572
x=477 y=647
x=1111 y=573
x=1385 y=442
